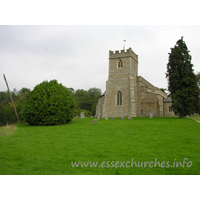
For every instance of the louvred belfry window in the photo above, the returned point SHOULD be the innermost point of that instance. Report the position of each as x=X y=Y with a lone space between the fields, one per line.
x=120 y=64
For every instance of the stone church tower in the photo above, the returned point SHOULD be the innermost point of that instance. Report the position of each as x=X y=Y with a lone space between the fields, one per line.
x=128 y=94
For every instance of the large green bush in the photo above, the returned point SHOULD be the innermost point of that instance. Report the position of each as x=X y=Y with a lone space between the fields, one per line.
x=50 y=103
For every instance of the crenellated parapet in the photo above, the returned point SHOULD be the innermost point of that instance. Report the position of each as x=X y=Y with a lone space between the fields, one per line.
x=123 y=54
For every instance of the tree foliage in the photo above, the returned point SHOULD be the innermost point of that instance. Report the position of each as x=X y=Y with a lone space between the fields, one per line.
x=94 y=94
x=86 y=101
x=50 y=103
x=182 y=83
x=7 y=114
x=198 y=79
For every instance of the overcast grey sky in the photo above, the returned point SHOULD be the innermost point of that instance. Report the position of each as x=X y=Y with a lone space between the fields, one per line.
x=77 y=56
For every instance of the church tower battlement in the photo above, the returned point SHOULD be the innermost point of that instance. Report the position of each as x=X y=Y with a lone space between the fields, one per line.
x=123 y=63
x=123 y=54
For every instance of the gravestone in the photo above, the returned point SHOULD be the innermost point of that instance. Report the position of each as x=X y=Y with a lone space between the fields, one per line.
x=122 y=117
x=82 y=115
x=151 y=114
x=94 y=121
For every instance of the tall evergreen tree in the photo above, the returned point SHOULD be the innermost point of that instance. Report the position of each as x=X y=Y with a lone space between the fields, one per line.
x=198 y=79
x=182 y=82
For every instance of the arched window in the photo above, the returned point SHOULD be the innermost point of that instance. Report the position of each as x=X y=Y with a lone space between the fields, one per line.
x=120 y=64
x=119 y=98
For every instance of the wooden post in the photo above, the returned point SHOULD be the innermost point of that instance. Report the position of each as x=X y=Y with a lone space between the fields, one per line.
x=11 y=98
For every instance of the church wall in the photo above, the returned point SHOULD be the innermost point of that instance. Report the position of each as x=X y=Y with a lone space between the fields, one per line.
x=150 y=98
x=100 y=106
x=149 y=102
x=114 y=85
x=167 y=111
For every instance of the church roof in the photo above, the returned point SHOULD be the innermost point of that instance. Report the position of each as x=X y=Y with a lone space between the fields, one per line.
x=167 y=100
x=101 y=95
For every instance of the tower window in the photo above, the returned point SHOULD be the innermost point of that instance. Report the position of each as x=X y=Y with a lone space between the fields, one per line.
x=120 y=64
x=170 y=109
x=119 y=98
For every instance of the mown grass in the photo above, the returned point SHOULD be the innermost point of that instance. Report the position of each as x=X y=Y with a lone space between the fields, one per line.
x=7 y=130
x=51 y=149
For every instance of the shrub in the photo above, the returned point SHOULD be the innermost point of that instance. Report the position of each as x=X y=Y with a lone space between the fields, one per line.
x=50 y=103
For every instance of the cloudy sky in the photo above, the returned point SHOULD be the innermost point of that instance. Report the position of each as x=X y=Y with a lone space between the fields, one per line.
x=77 y=56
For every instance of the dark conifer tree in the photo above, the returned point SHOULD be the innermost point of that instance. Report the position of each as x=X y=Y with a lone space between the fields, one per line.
x=182 y=82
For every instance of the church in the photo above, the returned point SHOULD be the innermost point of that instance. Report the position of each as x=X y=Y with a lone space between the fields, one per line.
x=130 y=95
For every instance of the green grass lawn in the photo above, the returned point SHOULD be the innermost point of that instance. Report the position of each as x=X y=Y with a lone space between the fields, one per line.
x=51 y=149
